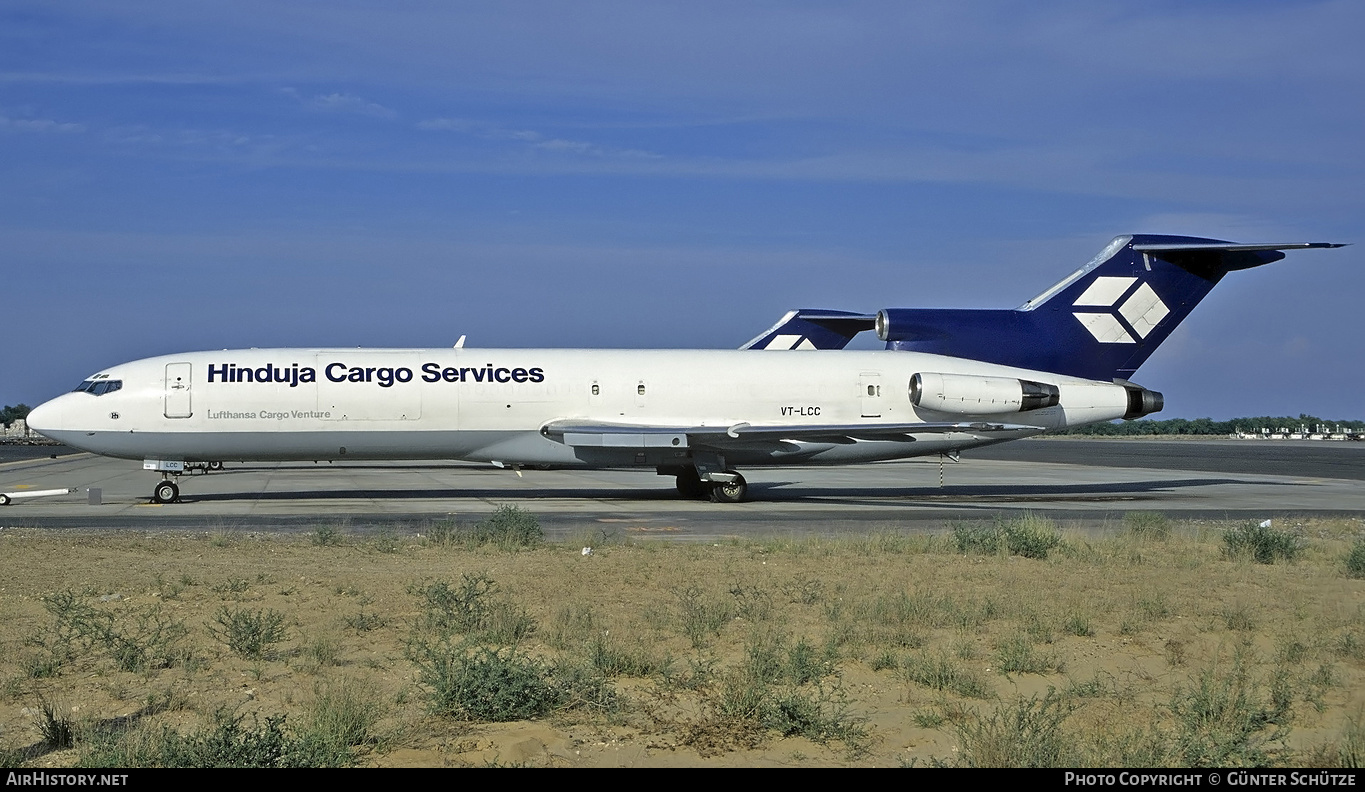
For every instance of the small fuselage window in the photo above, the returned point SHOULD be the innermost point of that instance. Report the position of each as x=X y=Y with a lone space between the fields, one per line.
x=99 y=387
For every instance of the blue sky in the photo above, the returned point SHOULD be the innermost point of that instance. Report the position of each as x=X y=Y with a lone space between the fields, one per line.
x=178 y=176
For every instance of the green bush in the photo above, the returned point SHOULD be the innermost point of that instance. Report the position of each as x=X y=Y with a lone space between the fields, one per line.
x=978 y=538
x=1152 y=525
x=343 y=713
x=508 y=527
x=1027 y=733
x=1224 y=720
x=136 y=640
x=1262 y=542
x=1016 y=655
x=702 y=617
x=461 y=609
x=248 y=633
x=227 y=743
x=941 y=673
x=485 y=684
x=326 y=535
x=1030 y=536
x=1355 y=560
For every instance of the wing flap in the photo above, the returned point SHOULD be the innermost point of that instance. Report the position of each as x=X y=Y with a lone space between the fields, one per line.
x=610 y=435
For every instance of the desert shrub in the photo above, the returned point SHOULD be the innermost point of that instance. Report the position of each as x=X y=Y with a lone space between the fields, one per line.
x=56 y=728
x=701 y=617
x=1239 y=616
x=1017 y=655
x=486 y=684
x=1151 y=525
x=1079 y=625
x=942 y=673
x=343 y=713
x=572 y=625
x=1223 y=720
x=137 y=640
x=508 y=527
x=1262 y=542
x=326 y=535
x=323 y=650
x=1027 y=733
x=228 y=742
x=979 y=538
x=462 y=608
x=248 y=633
x=363 y=621
x=386 y=540
x=1355 y=560
x=472 y=608
x=443 y=533
x=757 y=699
x=1030 y=536
x=612 y=658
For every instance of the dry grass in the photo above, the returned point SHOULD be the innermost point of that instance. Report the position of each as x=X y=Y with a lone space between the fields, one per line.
x=1152 y=646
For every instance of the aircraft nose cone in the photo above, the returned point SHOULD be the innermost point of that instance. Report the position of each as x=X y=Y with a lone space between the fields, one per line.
x=46 y=417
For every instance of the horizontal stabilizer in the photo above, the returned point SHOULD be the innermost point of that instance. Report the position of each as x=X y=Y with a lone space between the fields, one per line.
x=809 y=328
x=1236 y=248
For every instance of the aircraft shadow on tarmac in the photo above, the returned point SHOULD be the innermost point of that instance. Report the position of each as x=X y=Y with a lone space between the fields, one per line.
x=760 y=492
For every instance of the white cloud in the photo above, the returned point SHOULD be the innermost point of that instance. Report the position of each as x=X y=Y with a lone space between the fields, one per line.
x=532 y=139
x=39 y=125
x=350 y=103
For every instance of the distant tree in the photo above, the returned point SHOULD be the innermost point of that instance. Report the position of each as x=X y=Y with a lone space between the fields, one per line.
x=1208 y=426
x=11 y=414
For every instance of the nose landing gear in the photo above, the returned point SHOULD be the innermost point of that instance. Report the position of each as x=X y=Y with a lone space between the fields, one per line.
x=166 y=492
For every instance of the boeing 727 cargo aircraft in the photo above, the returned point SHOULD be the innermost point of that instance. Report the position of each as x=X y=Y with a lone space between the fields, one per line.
x=951 y=380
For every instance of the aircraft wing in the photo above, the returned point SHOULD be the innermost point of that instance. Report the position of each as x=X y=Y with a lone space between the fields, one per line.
x=614 y=435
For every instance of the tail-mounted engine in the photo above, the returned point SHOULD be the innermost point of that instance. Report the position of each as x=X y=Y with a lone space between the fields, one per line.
x=1142 y=402
x=972 y=395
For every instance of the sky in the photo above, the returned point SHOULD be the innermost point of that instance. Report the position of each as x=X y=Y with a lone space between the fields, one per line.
x=180 y=176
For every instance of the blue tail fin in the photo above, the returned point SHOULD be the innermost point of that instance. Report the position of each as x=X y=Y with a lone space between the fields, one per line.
x=1102 y=322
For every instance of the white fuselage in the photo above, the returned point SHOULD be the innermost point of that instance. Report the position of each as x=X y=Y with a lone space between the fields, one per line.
x=490 y=405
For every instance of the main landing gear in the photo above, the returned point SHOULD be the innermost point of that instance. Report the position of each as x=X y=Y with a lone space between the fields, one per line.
x=732 y=488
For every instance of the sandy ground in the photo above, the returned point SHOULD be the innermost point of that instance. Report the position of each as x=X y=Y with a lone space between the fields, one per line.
x=1121 y=628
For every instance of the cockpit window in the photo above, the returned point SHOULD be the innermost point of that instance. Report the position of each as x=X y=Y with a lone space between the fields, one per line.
x=99 y=387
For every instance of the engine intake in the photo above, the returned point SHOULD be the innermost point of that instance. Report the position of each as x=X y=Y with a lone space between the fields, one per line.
x=972 y=395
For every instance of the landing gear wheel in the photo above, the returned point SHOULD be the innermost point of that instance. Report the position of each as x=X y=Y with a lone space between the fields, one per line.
x=730 y=491
x=4 y=500
x=215 y=466
x=690 y=484
x=166 y=492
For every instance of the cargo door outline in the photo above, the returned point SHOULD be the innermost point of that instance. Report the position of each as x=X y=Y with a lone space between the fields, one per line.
x=179 y=402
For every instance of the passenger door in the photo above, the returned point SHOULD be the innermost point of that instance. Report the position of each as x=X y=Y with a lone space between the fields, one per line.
x=178 y=401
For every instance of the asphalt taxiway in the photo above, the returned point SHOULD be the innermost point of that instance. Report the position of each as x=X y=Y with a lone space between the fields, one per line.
x=1086 y=483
